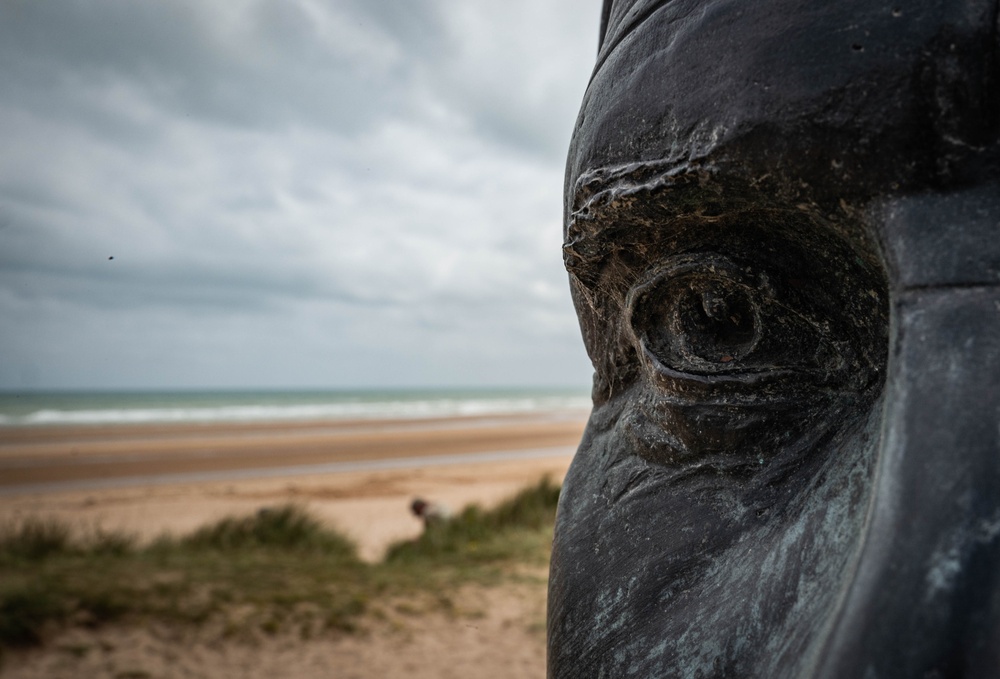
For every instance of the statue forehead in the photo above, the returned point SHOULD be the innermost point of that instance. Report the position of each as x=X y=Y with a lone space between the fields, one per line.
x=847 y=95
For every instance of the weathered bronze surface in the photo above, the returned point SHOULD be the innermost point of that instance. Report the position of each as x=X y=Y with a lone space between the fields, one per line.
x=783 y=239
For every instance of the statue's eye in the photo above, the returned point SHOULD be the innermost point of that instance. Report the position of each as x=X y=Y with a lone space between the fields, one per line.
x=704 y=316
x=708 y=320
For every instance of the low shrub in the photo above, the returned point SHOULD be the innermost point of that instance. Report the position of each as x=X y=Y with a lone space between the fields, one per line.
x=35 y=538
x=483 y=532
x=288 y=527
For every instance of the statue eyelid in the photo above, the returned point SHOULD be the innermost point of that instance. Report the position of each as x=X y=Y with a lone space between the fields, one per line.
x=703 y=319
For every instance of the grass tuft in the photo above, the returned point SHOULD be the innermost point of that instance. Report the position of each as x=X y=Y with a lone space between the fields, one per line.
x=24 y=611
x=483 y=534
x=34 y=538
x=288 y=527
x=109 y=543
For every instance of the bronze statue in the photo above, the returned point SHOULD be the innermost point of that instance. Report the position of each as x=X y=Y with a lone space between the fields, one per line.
x=783 y=239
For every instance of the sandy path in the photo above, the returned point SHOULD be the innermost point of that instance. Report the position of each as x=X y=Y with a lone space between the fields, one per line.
x=494 y=633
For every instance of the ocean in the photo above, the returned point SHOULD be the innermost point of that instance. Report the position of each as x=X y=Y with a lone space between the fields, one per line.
x=105 y=407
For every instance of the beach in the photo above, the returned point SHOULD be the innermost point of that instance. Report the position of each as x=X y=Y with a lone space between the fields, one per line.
x=360 y=475
x=357 y=475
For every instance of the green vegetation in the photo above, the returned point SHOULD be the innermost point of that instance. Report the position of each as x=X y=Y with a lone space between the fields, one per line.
x=287 y=527
x=477 y=536
x=279 y=568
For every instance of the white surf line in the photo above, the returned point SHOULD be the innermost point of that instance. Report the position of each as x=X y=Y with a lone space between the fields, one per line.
x=296 y=470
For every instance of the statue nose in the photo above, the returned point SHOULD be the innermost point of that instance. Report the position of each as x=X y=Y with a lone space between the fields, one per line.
x=924 y=598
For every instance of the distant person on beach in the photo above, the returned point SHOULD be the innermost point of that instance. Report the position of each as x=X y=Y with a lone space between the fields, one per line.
x=430 y=512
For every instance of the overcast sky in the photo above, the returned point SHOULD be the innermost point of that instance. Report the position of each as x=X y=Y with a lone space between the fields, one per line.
x=241 y=193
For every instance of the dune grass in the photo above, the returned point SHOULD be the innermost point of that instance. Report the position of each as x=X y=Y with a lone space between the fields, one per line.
x=277 y=568
x=480 y=536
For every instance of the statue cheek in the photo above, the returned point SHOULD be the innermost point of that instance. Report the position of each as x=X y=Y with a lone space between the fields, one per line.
x=654 y=568
x=627 y=551
x=732 y=441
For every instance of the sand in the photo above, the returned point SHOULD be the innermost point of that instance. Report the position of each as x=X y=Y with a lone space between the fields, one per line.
x=494 y=633
x=359 y=476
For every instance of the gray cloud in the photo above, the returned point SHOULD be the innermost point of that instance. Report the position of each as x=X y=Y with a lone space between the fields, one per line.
x=296 y=193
